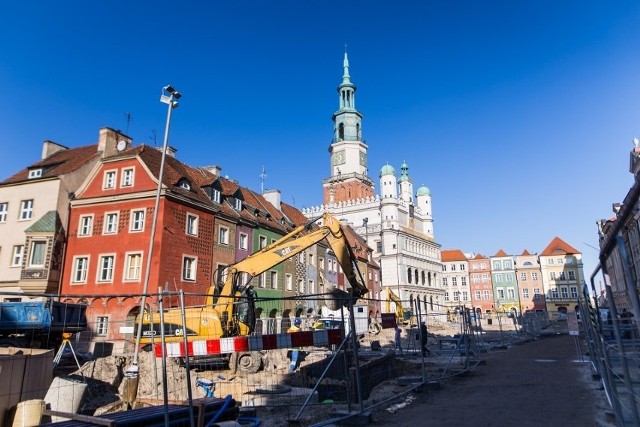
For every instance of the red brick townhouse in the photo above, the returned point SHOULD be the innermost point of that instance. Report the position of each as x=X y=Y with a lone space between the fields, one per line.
x=109 y=231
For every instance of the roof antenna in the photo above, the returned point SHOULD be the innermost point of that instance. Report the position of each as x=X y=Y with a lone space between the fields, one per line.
x=154 y=136
x=129 y=117
x=262 y=176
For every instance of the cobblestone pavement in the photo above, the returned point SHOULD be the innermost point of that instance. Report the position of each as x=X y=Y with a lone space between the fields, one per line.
x=540 y=382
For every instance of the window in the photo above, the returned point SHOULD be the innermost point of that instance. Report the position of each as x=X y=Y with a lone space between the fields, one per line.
x=552 y=275
x=465 y=296
x=183 y=183
x=453 y=267
x=463 y=281
x=564 y=291
x=536 y=293
x=511 y=293
x=243 y=241
x=550 y=261
x=496 y=265
x=462 y=267
x=237 y=204
x=37 y=253
x=301 y=289
x=215 y=195
x=223 y=236
x=534 y=275
x=572 y=275
x=310 y=259
x=127 y=177
x=456 y=296
x=475 y=278
x=80 y=269
x=133 y=266
x=86 y=225
x=192 y=225
x=16 y=257
x=444 y=281
x=105 y=268
x=261 y=280
x=525 y=293
x=487 y=294
x=26 y=209
x=561 y=276
x=321 y=263
x=477 y=295
x=109 y=180
x=574 y=292
x=288 y=281
x=454 y=281
x=4 y=207
x=110 y=223
x=523 y=276
x=446 y=296
x=554 y=293
x=559 y=261
x=507 y=265
x=137 y=220
x=102 y=325
x=262 y=241
x=189 y=268
x=274 y=279
x=35 y=173
x=312 y=287
x=498 y=278
x=500 y=293
x=444 y=267
x=485 y=277
x=378 y=247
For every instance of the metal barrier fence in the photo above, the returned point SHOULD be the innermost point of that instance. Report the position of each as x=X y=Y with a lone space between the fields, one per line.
x=316 y=377
x=614 y=349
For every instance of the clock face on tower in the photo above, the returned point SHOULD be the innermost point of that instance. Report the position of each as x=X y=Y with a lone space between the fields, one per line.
x=338 y=158
x=363 y=158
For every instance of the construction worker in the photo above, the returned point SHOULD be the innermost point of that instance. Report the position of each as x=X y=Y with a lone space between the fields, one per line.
x=296 y=327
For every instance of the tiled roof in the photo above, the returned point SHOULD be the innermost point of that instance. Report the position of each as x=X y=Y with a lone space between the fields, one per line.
x=525 y=253
x=452 y=255
x=501 y=253
x=480 y=256
x=49 y=223
x=174 y=172
x=558 y=247
x=294 y=214
x=59 y=163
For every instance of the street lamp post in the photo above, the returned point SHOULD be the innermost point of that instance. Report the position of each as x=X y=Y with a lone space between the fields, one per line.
x=169 y=96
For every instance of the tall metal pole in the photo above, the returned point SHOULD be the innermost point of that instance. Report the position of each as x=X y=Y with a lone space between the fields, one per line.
x=170 y=100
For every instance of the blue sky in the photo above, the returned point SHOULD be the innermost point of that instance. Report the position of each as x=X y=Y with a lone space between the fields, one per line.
x=518 y=116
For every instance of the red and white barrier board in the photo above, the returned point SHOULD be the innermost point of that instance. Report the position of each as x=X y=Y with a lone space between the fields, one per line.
x=204 y=347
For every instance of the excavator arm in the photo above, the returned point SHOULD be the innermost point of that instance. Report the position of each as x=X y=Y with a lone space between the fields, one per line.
x=396 y=299
x=287 y=247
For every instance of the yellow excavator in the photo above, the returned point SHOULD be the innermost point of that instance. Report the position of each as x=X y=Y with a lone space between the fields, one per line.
x=229 y=309
x=399 y=309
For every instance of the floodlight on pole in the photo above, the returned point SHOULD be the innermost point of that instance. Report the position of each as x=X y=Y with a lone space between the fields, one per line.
x=168 y=96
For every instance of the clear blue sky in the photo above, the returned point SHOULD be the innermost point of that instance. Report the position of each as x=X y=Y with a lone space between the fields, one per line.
x=518 y=115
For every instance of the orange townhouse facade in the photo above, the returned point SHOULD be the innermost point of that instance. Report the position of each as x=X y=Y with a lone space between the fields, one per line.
x=110 y=227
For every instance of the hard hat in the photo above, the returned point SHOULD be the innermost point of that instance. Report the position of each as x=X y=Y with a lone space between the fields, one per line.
x=297 y=322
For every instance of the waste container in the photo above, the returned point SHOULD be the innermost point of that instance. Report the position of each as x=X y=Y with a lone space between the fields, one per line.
x=489 y=321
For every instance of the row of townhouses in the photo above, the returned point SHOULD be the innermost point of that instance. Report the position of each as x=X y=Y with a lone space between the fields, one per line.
x=551 y=281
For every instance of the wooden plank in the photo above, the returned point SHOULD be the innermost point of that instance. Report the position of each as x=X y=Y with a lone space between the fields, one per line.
x=81 y=418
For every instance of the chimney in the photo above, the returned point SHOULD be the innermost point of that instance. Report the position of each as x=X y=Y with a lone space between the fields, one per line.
x=49 y=148
x=171 y=151
x=214 y=169
x=273 y=197
x=111 y=142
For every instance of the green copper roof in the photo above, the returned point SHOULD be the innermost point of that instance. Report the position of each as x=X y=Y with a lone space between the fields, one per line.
x=387 y=170
x=49 y=223
x=423 y=191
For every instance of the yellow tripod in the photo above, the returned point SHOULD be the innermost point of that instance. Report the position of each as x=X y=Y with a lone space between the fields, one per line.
x=65 y=342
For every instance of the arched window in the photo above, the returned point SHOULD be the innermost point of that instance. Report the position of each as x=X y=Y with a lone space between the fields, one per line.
x=409 y=274
x=423 y=278
x=341 y=132
x=415 y=275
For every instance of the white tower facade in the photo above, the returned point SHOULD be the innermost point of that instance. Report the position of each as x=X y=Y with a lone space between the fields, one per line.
x=396 y=224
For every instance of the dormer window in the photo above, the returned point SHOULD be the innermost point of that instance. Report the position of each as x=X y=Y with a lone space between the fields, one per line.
x=183 y=183
x=238 y=204
x=215 y=195
x=35 y=173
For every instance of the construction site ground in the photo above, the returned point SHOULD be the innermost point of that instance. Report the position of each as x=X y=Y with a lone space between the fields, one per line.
x=523 y=380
